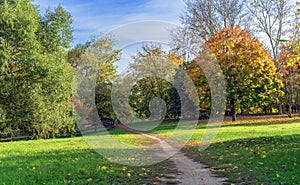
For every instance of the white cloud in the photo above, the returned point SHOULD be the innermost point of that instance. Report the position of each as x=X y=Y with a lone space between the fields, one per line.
x=92 y=17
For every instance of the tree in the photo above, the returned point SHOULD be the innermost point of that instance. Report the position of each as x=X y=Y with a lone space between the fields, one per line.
x=75 y=54
x=155 y=78
x=35 y=82
x=107 y=75
x=204 y=18
x=55 y=36
x=96 y=57
x=274 y=20
x=151 y=74
x=290 y=75
x=55 y=30
x=16 y=33
x=288 y=64
x=248 y=69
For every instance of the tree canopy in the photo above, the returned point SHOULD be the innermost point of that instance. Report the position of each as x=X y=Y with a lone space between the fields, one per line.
x=247 y=67
x=35 y=81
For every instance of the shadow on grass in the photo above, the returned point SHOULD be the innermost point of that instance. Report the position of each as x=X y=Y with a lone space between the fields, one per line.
x=77 y=166
x=264 y=160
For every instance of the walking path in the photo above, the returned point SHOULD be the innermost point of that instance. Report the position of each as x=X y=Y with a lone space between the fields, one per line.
x=190 y=172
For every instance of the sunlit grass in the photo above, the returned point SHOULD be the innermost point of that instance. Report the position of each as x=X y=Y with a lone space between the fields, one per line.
x=235 y=130
x=253 y=152
x=67 y=161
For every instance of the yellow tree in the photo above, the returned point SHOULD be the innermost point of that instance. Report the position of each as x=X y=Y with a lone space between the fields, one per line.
x=247 y=66
x=248 y=69
x=290 y=74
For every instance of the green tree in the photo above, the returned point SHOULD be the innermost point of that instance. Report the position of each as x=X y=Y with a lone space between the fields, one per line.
x=35 y=82
x=96 y=57
x=55 y=32
x=152 y=74
x=75 y=54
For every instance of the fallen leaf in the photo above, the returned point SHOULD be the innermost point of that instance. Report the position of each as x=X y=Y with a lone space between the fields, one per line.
x=103 y=167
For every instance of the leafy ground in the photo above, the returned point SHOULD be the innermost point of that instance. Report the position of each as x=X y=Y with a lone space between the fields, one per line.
x=67 y=161
x=251 y=151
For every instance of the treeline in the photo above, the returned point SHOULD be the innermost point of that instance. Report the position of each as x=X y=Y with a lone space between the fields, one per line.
x=261 y=75
x=256 y=44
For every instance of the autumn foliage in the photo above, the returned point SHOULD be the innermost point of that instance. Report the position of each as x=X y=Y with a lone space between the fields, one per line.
x=248 y=69
x=289 y=72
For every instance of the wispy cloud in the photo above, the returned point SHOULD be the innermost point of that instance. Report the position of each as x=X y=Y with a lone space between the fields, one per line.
x=96 y=16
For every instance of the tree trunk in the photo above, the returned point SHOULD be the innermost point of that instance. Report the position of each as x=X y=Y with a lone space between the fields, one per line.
x=290 y=94
x=233 y=111
x=290 y=111
x=280 y=106
x=265 y=110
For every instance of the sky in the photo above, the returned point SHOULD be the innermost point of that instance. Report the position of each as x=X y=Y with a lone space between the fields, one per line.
x=90 y=18
x=132 y=22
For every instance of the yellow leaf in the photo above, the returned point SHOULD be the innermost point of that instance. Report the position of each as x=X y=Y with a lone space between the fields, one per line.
x=128 y=174
x=89 y=179
x=103 y=167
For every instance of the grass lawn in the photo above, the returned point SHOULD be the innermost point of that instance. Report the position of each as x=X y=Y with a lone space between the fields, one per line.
x=263 y=151
x=67 y=161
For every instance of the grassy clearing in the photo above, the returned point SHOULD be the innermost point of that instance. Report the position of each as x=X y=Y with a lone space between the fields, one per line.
x=264 y=151
x=67 y=161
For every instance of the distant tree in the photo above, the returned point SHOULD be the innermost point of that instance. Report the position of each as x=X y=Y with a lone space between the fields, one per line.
x=97 y=57
x=290 y=75
x=75 y=54
x=198 y=76
x=274 y=22
x=153 y=74
x=107 y=74
x=204 y=18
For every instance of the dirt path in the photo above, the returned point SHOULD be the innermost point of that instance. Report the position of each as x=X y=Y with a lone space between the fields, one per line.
x=190 y=172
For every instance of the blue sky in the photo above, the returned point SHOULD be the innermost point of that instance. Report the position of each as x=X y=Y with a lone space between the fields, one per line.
x=100 y=16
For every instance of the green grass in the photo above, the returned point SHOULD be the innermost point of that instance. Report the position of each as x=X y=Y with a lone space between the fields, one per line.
x=67 y=161
x=265 y=160
x=252 y=152
x=249 y=153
